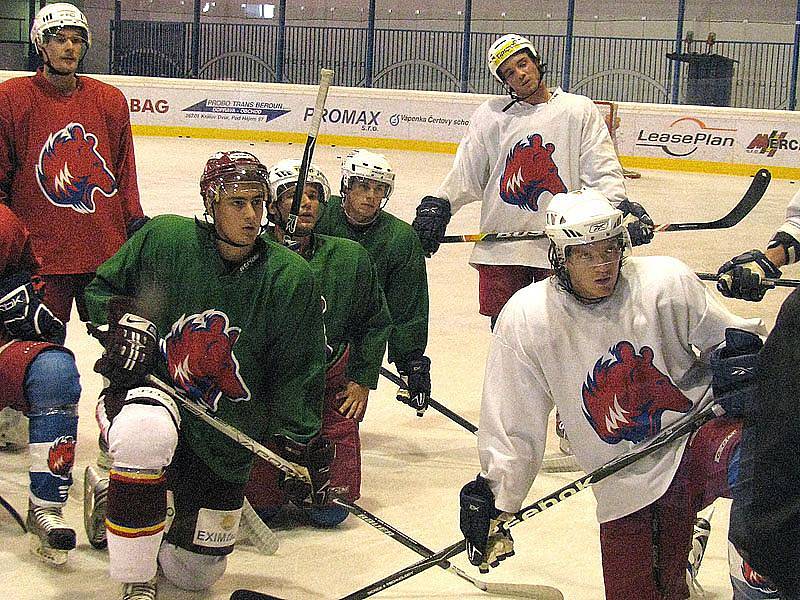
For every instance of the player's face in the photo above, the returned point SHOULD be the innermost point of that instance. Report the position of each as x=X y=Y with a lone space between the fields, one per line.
x=364 y=199
x=309 y=207
x=65 y=48
x=594 y=268
x=238 y=211
x=520 y=73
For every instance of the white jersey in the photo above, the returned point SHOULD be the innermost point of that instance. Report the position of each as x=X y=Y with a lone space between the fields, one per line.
x=516 y=161
x=792 y=223
x=618 y=371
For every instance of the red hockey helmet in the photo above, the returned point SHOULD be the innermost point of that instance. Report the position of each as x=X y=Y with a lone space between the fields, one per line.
x=232 y=166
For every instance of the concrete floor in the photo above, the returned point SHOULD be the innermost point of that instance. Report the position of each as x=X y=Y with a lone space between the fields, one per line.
x=412 y=467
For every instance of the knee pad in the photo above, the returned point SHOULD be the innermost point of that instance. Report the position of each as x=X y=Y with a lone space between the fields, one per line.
x=189 y=570
x=142 y=437
x=52 y=381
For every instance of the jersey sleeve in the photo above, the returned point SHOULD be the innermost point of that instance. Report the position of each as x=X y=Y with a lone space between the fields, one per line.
x=513 y=421
x=297 y=351
x=124 y=158
x=469 y=174
x=7 y=154
x=600 y=168
x=15 y=246
x=372 y=325
x=406 y=290
x=706 y=316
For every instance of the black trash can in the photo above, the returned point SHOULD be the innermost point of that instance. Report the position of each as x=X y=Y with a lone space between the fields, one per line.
x=709 y=80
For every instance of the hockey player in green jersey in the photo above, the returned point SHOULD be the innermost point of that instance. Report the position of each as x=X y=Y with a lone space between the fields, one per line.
x=357 y=323
x=233 y=321
x=367 y=182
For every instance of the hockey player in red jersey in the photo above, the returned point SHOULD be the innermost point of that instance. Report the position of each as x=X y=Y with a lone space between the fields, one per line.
x=66 y=159
x=40 y=379
x=644 y=345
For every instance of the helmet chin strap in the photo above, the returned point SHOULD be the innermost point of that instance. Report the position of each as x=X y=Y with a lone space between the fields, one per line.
x=515 y=98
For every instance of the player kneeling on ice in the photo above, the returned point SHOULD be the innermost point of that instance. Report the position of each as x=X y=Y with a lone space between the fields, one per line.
x=612 y=342
x=357 y=324
x=232 y=321
x=38 y=377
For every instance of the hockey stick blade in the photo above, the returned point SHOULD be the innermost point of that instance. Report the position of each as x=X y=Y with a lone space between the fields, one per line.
x=751 y=197
x=766 y=282
x=251 y=595
x=666 y=437
x=455 y=417
x=325 y=79
x=256 y=531
x=565 y=463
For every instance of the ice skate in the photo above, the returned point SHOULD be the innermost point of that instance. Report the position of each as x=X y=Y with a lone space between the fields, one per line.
x=50 y=538
x=139 y=591
x=702 y=529
x=95 y=497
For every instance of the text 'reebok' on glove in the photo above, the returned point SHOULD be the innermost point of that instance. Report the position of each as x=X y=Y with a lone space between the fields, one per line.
x=639 y=224
x=131 y=352
x=433 y=215
x=734 y=369
x=487 y=538
x=22 y=312
x=743 y=276
x=417 y=378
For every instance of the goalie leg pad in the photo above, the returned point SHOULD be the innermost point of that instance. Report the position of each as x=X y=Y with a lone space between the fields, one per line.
x=207 y=508
x=189 y=570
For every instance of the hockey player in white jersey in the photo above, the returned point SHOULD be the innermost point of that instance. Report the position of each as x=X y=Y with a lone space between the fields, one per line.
x=743 y=276
x=514 y=158
x=620 y=346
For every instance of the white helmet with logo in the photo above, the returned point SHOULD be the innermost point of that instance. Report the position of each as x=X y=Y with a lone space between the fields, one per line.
x=505 y=47
x=287 y=171
x=581 y=217
x=53 y=17
x=372 y=166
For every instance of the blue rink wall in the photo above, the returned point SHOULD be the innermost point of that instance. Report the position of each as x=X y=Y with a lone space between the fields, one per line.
x=730 y=141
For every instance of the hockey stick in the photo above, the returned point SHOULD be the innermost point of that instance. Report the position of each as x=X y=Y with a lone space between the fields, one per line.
x=291 y=470
x=255 y=531
x=14 y=514
x=751 y=197
x=766 y=282
x=325 y=78
x=455 y=417
x=666 y=437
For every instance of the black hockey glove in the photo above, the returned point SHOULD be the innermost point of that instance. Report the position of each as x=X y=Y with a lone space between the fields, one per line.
x=417 y=377
x=131 y=352
x=488 y=539
x=433 y=215
x=640 y=226
x=313 y=458
x=733 y=368
x=743 y=276
x=22 y=312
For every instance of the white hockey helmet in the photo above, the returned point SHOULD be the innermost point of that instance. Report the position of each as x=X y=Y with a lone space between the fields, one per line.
x=363 y=164
x=581 y=217
x=287 y=171
x=505 y=47
x=53 y=17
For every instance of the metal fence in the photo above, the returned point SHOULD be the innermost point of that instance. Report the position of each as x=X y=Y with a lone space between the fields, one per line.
x=606 y=68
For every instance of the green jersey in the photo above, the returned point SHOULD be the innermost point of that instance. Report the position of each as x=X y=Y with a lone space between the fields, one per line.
x=355 y=310
x=400 y=262
x=246 y=338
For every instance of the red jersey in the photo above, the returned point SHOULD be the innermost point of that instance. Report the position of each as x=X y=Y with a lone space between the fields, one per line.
x=15 y=247
x=67 y=169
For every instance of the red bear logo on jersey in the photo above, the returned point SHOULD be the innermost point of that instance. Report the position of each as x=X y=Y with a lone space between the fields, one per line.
x=70 y=170
x=530 y=171
x=61 y=456
x=624 y=397
x=200 y=358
